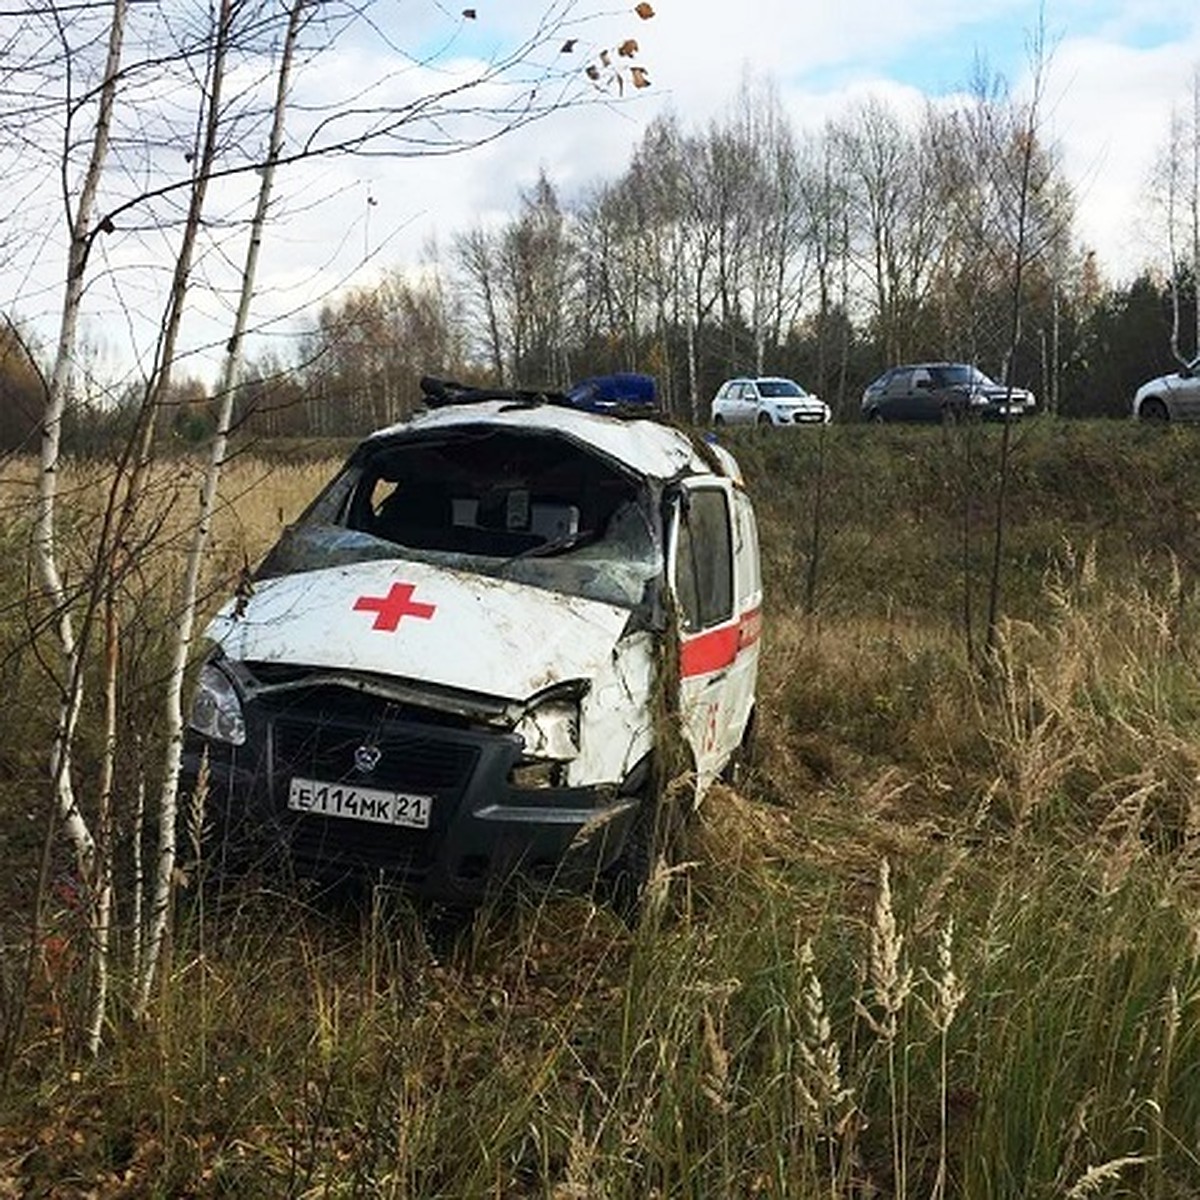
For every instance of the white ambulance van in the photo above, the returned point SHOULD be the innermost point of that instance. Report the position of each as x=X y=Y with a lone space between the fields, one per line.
x=510 y=638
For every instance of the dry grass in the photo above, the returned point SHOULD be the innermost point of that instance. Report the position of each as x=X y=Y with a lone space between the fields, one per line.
x=944 y=942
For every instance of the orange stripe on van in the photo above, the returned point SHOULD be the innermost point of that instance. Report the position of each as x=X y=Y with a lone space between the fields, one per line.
x=705 y=653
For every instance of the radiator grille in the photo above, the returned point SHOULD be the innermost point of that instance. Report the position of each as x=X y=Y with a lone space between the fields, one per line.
x=425 y=759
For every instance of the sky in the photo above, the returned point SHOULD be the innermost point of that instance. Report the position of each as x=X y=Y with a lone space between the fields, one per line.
x=1115 y=71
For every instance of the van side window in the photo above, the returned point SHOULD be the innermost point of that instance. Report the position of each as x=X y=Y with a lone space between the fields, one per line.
x=746 y=552
x=704 y=560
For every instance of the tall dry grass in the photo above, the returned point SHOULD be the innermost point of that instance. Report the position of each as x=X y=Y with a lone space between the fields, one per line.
x=943 y=942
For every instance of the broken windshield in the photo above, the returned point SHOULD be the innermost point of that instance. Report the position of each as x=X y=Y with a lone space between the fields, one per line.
x=534 y=508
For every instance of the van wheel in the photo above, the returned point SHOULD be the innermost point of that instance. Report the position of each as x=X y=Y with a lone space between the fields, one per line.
x=631 y=885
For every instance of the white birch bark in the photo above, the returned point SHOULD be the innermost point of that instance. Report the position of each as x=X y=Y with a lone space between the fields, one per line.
x=164 y=868
x=58 y=389
x=181 y=651
x=102 y=891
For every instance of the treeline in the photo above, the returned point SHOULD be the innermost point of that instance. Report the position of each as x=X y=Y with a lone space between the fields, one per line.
x=743 y=247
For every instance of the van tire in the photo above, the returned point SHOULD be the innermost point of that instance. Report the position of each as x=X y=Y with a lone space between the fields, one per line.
x=650 y=846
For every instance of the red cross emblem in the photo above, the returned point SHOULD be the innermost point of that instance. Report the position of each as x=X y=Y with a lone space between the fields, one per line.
x=390 y=609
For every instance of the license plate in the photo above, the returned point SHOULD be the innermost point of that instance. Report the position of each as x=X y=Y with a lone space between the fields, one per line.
x=379 y=805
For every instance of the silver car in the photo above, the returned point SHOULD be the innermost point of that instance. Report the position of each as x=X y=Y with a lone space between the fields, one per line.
x=1174 y=397
x=767 y=400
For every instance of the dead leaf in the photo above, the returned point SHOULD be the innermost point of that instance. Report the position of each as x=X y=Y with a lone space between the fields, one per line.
x=628 y=48
x=593 y=72
x=639 y=77
x=644 y=10
x=605 y=59
x=568 y=46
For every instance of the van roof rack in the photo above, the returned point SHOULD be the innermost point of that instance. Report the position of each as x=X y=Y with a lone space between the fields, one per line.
x=440 y=392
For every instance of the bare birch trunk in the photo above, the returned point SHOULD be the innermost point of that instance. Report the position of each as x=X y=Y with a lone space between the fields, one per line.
x=164 y=871
x=45 y=553
x=58 y=387
x=102 y=897
x=181 y=652
x=138 y=866
x=693 y=370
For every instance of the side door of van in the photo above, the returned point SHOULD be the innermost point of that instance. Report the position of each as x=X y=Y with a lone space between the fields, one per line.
x=713 y=561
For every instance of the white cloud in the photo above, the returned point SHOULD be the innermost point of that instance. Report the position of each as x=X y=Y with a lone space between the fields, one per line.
x=1116 y=70
x=1108 y=101
x=1111 y=113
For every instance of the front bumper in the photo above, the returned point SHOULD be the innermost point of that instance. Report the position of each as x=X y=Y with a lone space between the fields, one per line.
x=803 y=416
x=483 y=832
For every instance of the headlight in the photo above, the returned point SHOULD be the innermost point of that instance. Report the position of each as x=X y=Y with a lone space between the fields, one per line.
x=217 y=707
x=550 y=727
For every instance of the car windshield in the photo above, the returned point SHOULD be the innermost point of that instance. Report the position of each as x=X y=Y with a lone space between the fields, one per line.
x=960 y=375
x=780 y=387
x=535 y=508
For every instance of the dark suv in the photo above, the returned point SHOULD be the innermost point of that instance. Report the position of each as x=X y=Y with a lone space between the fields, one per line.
x=941 y=391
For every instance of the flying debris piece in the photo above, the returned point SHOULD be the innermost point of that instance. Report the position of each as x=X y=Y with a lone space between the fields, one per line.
x=568 y=45
x=628 y=48
x=469 y=14
x=592 y=72
x=644 y=10
x=639 y=77
x=605 y=59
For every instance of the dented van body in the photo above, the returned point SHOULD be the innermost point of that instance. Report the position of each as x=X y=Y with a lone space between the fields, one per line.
x=475 y=654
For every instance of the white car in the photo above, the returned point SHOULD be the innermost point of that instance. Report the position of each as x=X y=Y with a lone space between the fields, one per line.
x=1174 y=397
x=767 y=400
x=487 y=649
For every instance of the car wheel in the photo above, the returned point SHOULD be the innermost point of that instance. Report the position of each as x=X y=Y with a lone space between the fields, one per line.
x=764 y=419
x=1154 y=411
x=874 y=416
x=718 y=420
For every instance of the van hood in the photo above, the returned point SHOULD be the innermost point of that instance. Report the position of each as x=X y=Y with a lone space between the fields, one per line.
x=422 y=623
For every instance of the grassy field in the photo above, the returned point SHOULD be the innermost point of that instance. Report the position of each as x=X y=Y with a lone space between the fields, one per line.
x=942 y=943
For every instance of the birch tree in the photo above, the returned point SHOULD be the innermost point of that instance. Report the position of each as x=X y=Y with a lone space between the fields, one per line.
x=1175 y=188
x=172 y=118
x=896 y=220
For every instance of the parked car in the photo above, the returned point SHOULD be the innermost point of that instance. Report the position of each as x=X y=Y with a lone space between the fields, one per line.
x=485 y=650
x=1174 y=397
x=937 y=391
x=767 y=400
